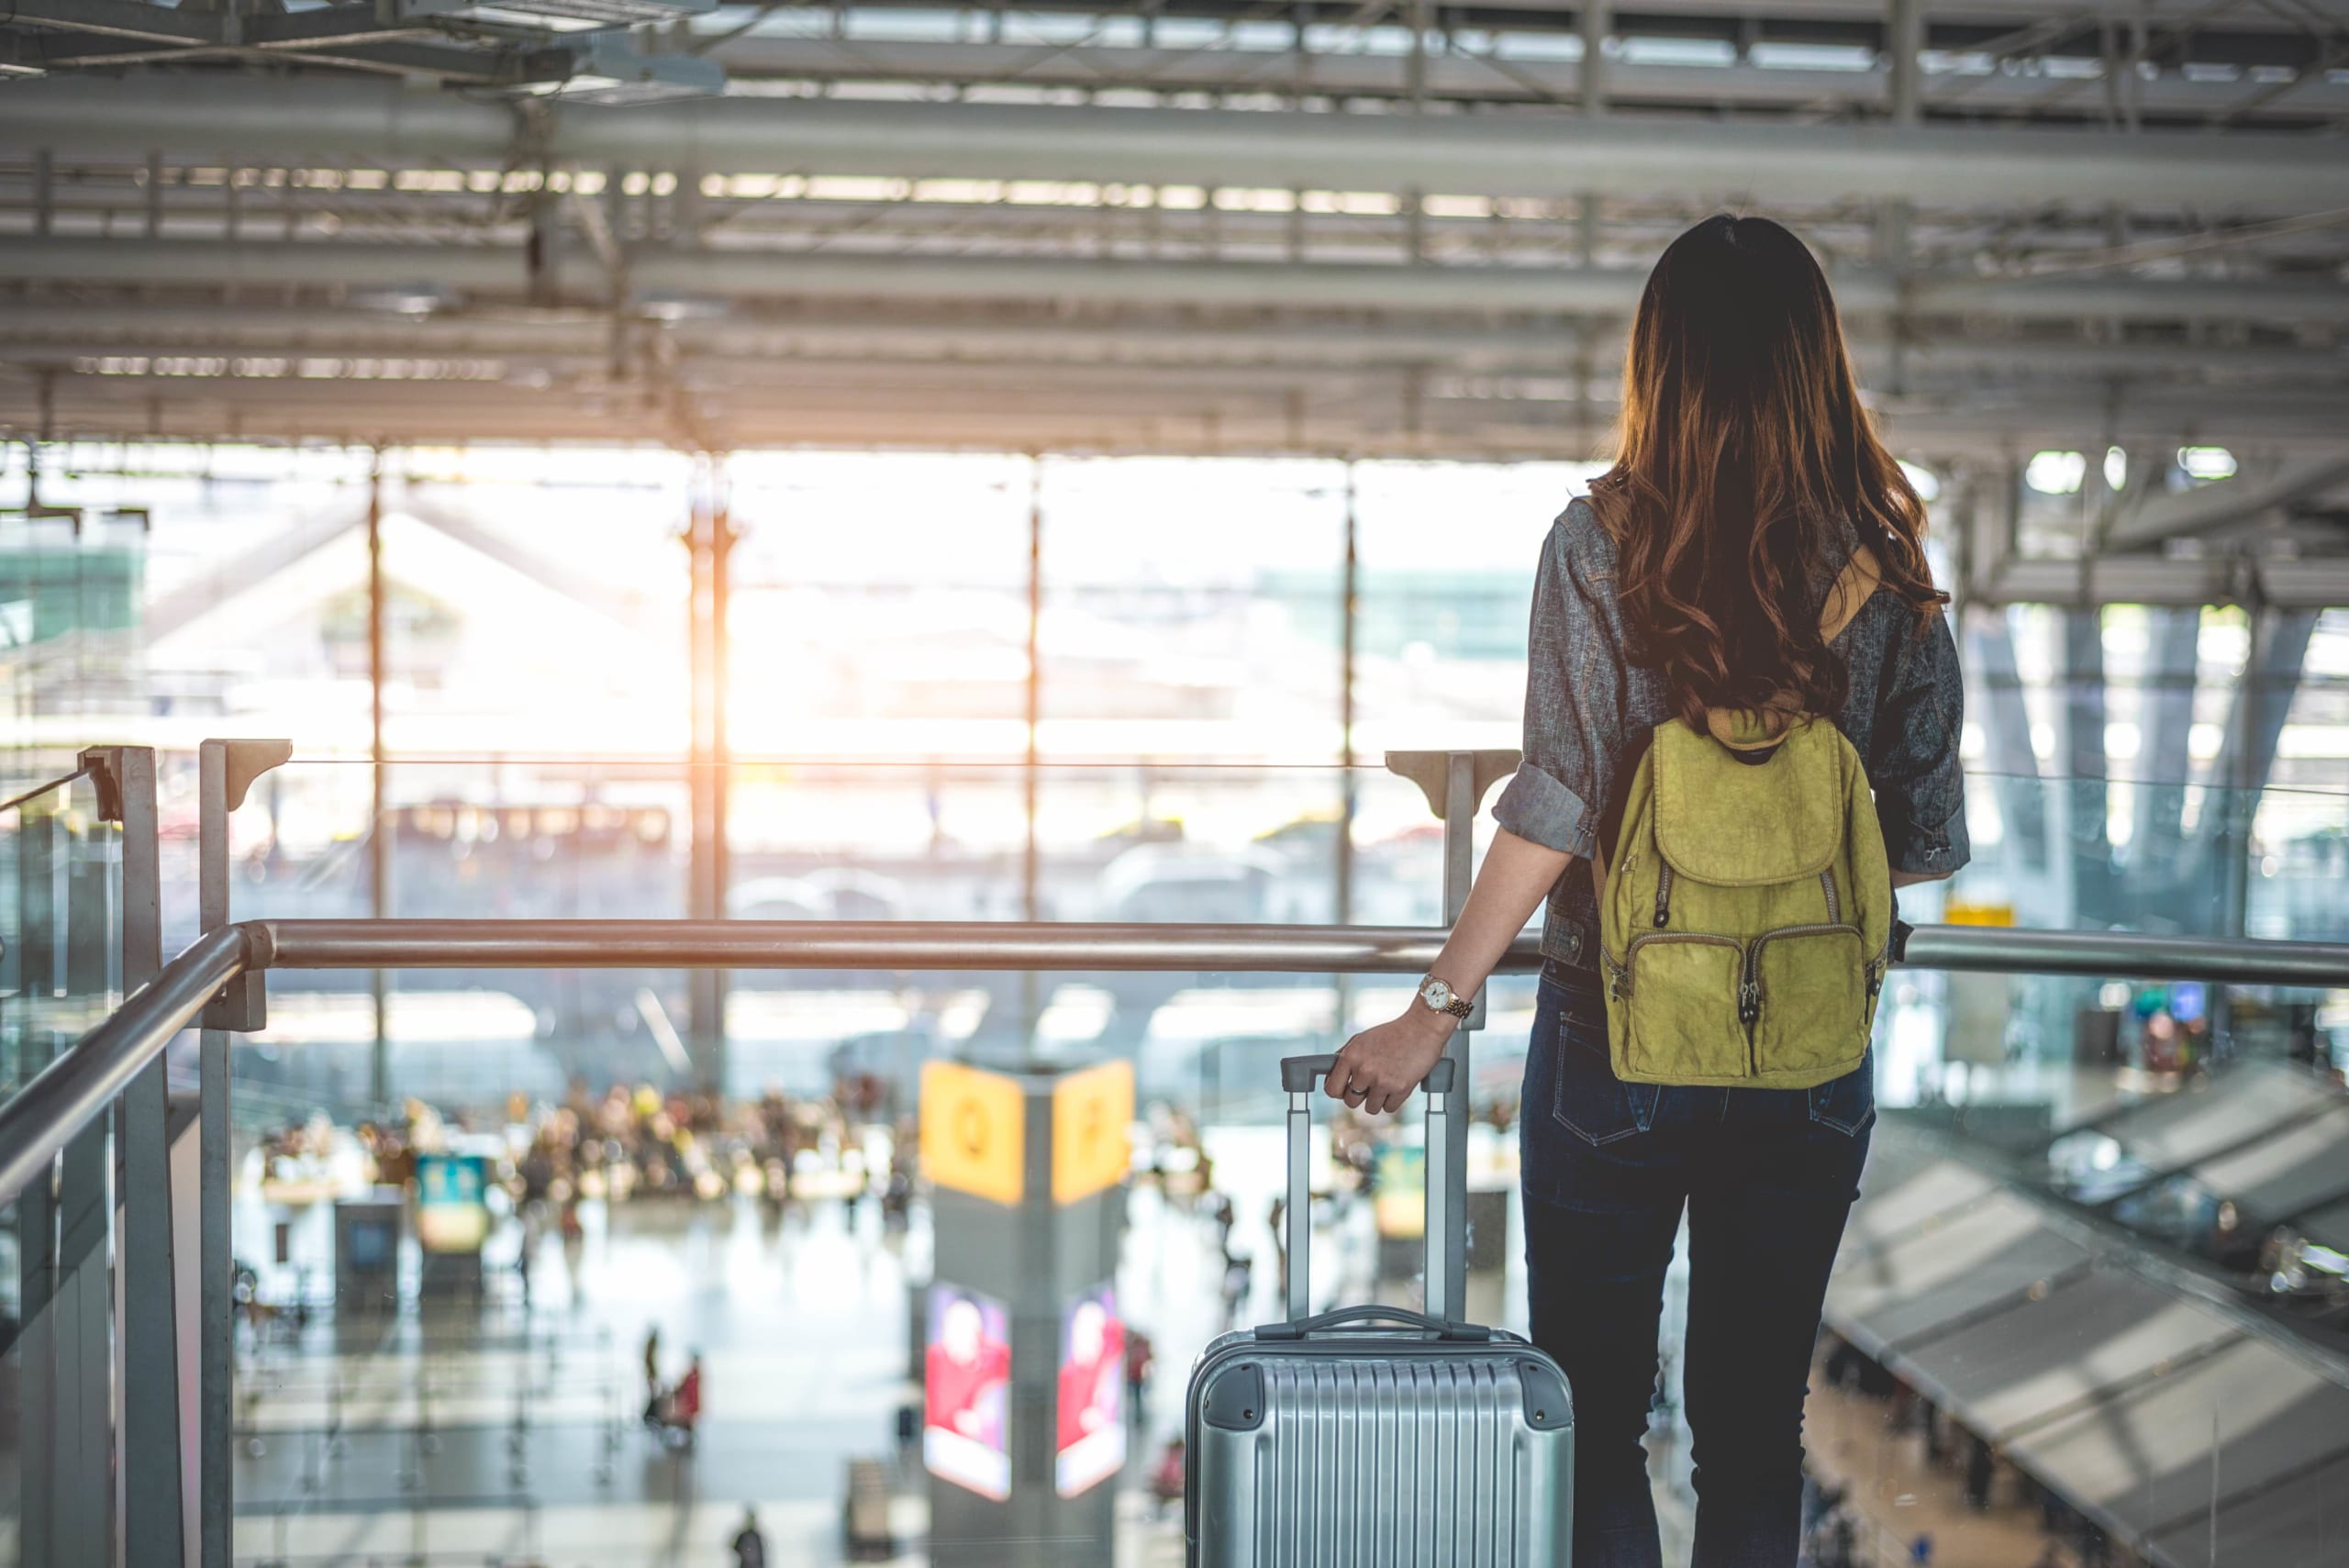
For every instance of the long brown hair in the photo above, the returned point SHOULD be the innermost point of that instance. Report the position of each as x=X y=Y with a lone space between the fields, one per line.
x=1743 y=443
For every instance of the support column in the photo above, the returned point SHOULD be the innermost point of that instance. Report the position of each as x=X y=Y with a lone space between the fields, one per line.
x=710 y=541
x=2022 y=800
x=379 y=836
x=1596 y=24
x=2086 y=807
x=1349 y=623
x=1030 y=868
x=1904 y=42
x=2279 y=643
x=1027 y=1175
x=2166 y=763
x=1032 y=892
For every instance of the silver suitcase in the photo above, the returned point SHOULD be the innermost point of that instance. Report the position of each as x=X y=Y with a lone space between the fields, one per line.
x=1375 y=1436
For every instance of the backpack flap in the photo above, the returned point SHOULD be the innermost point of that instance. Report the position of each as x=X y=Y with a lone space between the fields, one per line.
x=1724 y=819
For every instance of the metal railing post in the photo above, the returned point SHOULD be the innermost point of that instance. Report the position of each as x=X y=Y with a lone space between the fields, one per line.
x=154 y=1527
x=217 y=1325
x=226 y=769
x=36 y=1226
x=1454 y=784
x=83 y=1435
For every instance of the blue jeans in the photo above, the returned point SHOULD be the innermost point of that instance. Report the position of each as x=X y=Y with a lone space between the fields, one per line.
x=1768 y=1177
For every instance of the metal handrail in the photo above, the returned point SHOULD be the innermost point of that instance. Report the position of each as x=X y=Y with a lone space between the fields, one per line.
x=43 y=1117
x=40 y=1119
x=1234 y=948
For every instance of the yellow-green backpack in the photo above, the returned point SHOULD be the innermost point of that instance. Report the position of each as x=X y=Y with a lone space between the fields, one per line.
x=1747 y=912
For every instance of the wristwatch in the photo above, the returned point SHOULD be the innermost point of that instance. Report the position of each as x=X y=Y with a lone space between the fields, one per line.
x=1437 y=995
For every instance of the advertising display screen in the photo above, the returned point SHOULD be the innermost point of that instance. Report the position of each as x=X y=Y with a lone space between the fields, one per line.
x=1090 y=1443
x=966 y=1385
x=452 y=1201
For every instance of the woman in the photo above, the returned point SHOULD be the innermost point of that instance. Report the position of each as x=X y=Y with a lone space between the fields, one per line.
x=1693 y=576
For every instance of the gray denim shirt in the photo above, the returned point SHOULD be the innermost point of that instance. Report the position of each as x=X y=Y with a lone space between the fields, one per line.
x=1587 y=708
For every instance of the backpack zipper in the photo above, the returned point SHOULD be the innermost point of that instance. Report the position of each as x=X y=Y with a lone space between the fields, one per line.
x=1618 y=976
x=1664 y=894
x=1748 y=1012
x=1834 y=906
x=1749 y=991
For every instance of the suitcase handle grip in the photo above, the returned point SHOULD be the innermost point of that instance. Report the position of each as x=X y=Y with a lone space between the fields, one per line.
x=1338 y=1317
x=1302 y=1074
x=1299 y=1075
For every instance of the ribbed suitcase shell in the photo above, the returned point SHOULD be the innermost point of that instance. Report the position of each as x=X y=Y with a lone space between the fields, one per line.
x=1378 y=1450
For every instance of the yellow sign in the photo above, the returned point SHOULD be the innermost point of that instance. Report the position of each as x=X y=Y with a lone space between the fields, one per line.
x=1962 y=914
x=972 y=1131
x=1092 y=1114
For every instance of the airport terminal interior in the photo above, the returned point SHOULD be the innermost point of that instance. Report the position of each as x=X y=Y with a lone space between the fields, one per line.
x=915 y=485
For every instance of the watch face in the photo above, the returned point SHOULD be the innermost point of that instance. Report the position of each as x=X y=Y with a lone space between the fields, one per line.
x=1436 y=994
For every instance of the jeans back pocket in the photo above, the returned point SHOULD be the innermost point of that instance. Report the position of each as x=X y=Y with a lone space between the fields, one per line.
x=1590 y=1101
x=1846 y=1104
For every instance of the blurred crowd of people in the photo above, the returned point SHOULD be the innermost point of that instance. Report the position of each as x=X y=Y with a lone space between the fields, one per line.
x=629 y=1142
x=634 y=1142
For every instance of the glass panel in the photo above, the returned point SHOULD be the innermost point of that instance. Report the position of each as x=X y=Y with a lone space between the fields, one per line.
x=60 y=971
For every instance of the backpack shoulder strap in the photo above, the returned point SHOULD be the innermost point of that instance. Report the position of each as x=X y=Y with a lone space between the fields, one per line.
x=1851 y=590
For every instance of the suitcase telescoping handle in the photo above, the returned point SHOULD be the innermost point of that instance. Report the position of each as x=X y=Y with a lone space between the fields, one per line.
x=1300 y=1075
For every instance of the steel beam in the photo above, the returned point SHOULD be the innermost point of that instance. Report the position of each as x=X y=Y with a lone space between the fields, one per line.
x=116 y=18
x=57 y=332
x=1482 y=79
x=1063 y=282
x=1073 y=422
x=2227 y=503
x=1487 y=155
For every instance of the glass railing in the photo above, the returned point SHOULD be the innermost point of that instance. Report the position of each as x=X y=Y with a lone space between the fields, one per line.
x=1134 y=840
x=495 y=1367
x=61 y=971
x=442 y=1291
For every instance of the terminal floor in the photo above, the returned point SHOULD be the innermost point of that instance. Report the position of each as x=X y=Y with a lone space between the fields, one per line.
x=1900 y=1495
x=511 y=1437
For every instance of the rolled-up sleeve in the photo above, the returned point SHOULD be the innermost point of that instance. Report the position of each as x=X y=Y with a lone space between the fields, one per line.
x=1574 y=710
x=1918 y=779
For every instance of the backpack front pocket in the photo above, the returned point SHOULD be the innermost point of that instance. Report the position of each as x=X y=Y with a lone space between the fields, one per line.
x=1813 y=989
x=1679 y=991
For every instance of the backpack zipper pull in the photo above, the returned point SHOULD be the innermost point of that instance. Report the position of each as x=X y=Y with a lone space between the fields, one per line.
x=1664 y=894
x=1749 y=1001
